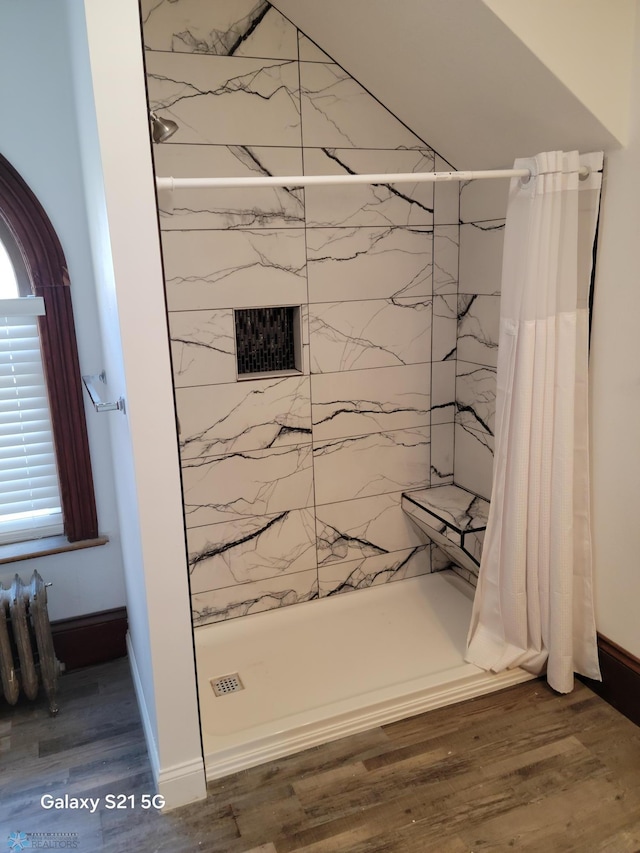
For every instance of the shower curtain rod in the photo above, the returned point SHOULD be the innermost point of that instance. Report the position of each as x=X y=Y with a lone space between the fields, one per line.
x=170 y=183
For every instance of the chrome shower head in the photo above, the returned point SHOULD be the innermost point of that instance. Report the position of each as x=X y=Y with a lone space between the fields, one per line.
x=161 y=128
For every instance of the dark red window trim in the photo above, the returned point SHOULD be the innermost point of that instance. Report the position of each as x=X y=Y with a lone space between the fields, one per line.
x=46 y=267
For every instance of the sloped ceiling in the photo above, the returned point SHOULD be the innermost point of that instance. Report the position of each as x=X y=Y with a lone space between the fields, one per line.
x=588 y=44
x=455 y=74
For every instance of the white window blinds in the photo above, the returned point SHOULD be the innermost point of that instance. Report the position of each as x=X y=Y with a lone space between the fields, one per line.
x=29 y=491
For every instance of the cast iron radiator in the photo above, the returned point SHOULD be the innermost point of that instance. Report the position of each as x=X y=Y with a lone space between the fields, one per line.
x=27 y=657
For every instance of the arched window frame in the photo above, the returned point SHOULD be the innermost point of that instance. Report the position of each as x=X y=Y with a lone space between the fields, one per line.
x=46 y=268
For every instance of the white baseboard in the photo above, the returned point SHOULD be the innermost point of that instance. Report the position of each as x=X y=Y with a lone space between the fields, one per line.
x=182 y=784
x=282 y=743
x=149 y=736
x=178 y=785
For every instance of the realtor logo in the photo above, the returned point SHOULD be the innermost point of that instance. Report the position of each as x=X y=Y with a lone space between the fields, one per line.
x=18 y=841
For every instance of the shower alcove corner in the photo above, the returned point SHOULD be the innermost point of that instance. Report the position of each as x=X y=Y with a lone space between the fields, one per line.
x=393 y=651
x=452 y=518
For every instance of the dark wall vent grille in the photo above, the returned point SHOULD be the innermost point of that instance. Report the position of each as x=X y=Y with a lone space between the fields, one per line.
x=265 y=339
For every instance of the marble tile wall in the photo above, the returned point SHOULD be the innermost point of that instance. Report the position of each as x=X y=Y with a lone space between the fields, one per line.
x=292 y=484
x=482 y=218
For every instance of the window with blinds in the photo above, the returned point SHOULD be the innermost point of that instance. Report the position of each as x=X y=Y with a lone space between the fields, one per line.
x=34 y=425
x=30 y=504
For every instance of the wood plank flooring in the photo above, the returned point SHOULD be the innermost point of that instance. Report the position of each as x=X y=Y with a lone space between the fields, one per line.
x=524 y=769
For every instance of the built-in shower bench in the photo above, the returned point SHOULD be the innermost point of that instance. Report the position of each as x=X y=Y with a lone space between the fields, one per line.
x=452 y=517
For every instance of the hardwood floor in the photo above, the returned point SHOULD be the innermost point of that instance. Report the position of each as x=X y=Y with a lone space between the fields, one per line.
x=524 y=769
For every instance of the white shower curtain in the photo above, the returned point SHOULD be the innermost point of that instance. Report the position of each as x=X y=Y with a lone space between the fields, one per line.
x=534 y=606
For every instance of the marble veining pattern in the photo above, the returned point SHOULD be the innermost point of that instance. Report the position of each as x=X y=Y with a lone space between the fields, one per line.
x=442 y=453
x=226 y=100
x=254 y=96
x=481 y=257
x=441 y=561
x=223 y=28
x=367 y=401
x=367 y=527
x=368 y=263
x=244 y=599
x=258 y=482
x=455 y=553
x=476 y=397
x=443 y=392
x=460 y=511
x=446 y=247
x=338 y=113
x=374 y=333
x=453 y=518
x=364 y=204
x=478 y=328
x=473 y=460
x=255 y=207
x=371 y=571
x=234 y=269
x=203 y=347
x=349 y=468
x=251 y=549
x=482 y=204
x=445 y=322
x=243 y=416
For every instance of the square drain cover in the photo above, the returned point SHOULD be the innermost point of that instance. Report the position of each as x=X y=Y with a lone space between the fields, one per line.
x=226 y=684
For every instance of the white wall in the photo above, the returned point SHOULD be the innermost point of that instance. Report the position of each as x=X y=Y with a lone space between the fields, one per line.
x=615 y=403
x=38 y=136
x=456 y=74
x=587 y=44
x=116 y=152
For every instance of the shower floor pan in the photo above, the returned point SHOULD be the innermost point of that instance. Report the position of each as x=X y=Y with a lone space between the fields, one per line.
x=318 y=671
